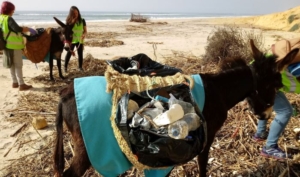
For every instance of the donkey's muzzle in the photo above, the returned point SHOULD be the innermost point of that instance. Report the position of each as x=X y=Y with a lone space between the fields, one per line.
x=67 y=46
x=266 y=114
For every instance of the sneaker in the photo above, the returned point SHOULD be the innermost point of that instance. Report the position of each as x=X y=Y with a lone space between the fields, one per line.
x=260 y=137
x=274 y=152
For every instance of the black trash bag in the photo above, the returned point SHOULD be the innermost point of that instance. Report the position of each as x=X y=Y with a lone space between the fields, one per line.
x=142 y=65
x=158 y=149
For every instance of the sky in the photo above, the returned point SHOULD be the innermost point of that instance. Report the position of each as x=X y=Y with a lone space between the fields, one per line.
x=139 y=6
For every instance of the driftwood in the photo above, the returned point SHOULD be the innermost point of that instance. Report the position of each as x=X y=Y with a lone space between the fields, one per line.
x=138 y=18
x=18 y=130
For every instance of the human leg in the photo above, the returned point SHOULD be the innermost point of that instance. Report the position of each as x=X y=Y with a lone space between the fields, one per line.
x=18 y=65
x=13 y=76
x=284 y=111
x=9 y=55
x=18 y=69
x=80 y=56
x=68 y=56
x=261 y=133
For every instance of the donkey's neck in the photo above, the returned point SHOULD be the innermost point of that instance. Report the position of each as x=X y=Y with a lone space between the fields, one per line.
x=231 y=86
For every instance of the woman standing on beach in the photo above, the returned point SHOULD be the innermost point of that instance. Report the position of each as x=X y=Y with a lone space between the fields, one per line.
x=79 y=32
x=12 y=55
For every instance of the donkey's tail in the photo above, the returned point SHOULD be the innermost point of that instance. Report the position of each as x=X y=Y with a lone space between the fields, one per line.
x=59 y=163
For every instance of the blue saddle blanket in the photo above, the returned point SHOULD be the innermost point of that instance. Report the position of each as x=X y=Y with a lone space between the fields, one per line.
x=94 y=107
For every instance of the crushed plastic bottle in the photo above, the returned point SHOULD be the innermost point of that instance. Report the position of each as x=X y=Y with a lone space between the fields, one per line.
x=174 y=113
x=186 y=106
x=181 y=128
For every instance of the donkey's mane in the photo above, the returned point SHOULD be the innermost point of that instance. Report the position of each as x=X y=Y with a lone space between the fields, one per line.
x=57 y=29
x=231 y=63
x=238 y=62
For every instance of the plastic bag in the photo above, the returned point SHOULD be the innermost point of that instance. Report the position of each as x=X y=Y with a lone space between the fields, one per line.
x=152 y=146
x=142 y=65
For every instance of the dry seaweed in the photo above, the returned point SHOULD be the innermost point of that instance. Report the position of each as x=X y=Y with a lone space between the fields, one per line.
x=101 y=35
x=233 y=152
x=231 y=41
x=138 y=29
x=103 y=43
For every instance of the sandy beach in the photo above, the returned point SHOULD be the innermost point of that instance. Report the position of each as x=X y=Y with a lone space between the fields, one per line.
x=155 y=38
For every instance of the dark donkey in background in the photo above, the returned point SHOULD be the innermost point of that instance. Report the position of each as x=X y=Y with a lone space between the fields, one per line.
x=237 y=81
x=58 y=37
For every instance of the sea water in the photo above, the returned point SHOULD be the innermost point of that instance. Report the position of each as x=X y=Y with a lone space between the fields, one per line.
x=32 y=17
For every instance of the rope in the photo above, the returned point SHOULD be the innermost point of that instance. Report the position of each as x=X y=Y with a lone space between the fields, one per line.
x=152 y=83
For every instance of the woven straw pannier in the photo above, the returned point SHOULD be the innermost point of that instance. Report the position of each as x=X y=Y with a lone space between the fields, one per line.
x=37 y=50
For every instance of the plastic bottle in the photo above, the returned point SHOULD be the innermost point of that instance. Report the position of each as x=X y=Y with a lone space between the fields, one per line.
x=180 y=129
x=174 y=113
x=186 y=106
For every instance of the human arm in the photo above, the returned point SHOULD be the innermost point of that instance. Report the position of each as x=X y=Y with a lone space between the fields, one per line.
x=13 y=26
x=84 y=29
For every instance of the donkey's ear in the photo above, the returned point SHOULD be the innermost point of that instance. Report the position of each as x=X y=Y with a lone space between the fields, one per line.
x=287 y=59
x=256 y=53
x=59 y=22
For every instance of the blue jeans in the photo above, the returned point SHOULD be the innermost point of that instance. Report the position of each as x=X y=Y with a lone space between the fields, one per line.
x=284 y=111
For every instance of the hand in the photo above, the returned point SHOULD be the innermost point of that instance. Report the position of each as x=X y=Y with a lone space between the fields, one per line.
x=83 y=36
x=25 y=29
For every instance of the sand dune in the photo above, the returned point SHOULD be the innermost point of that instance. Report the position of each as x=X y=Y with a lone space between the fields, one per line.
x=288 y=20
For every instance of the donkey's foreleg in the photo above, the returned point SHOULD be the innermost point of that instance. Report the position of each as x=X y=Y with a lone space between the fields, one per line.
x=59 y=68
x=51 y=67
x=203 y=158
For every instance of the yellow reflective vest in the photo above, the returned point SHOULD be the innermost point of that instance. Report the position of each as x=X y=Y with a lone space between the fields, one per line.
x=14 y=40
x=290 y=82
x=77 y=33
